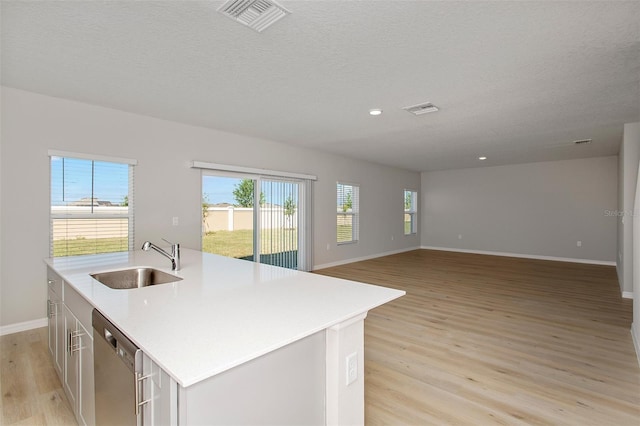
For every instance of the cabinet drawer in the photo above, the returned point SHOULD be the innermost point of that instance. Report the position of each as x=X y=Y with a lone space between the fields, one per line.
x=54 y=282
x=79 y=306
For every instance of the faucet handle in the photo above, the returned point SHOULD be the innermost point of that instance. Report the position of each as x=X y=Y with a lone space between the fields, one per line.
x=175 y=249
x=168 y=242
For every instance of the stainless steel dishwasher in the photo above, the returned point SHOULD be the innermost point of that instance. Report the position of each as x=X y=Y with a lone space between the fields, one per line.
x=117 y=365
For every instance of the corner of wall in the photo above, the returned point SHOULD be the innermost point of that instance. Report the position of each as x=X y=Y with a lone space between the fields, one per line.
x=635 y=335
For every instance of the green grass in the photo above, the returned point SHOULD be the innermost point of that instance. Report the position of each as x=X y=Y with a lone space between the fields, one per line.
x=407 y=227
x=240 y=243
x=79 y=246
x=345 y=233
x=229 y=243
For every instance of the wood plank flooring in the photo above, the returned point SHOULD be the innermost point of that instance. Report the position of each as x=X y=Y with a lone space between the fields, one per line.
x=477 y=340
x=30 y=389
x=493 y=340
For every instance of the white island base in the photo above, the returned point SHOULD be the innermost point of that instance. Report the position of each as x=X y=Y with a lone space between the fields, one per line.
x=303 y=383
x=230 y=342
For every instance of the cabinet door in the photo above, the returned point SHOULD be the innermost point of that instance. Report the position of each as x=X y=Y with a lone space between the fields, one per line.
x=86 y=410
x=162 y=393
x=56 y=322
x=60 y=339
x=71 y=359
x=51 y=320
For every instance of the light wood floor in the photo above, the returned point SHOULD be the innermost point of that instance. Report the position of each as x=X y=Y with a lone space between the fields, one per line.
x=31 y=391
x=493 y=340
x=477 y=340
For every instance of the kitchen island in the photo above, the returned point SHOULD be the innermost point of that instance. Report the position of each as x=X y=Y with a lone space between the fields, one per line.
x=235 y=341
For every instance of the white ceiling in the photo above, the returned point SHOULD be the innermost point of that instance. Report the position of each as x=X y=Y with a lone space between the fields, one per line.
x=515 y=81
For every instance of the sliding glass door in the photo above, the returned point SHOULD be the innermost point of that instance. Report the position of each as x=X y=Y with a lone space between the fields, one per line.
x=278 y=223
x=261 y=219
x=228 y=216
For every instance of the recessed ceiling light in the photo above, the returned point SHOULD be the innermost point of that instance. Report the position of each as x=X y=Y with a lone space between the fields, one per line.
x=482 y=158
x=375 y=111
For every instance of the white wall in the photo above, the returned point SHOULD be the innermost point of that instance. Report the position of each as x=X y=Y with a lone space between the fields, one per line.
x=165 y=186
x=630 y=264
x=635 y=326
x=628 y=159
x=536 y=209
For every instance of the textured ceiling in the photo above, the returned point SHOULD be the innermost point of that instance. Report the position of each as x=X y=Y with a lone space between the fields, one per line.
x=515 y=81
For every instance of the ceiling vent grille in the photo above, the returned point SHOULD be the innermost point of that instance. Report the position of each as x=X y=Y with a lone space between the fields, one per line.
x=583 y=141
x=420 y=109
x=255 y=14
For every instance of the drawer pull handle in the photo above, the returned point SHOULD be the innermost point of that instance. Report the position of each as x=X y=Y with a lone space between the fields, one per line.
x=139 y=378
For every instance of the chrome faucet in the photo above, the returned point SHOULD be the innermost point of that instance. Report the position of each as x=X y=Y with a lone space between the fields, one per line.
x=174 y=256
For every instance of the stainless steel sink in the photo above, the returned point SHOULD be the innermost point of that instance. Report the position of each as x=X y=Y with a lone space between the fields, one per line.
x=134 y=278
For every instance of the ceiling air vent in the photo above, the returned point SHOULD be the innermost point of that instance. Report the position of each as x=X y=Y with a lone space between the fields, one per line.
x=421 y=108
x=583 y=141
x=255 y=14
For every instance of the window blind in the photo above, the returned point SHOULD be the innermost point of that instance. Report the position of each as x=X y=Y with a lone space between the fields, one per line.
x=348 y=213
x=91 y=206
x=410 y=212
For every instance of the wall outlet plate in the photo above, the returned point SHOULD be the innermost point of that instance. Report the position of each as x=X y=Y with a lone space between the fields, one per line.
x=352 y=368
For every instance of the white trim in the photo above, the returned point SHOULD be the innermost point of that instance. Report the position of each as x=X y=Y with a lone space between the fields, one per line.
x=349 y=322
x=23 y=326
x=250 y=170
x=359 y=259
x=627 y=295
x=56 y=153
x=524 y=256
x=635 y=335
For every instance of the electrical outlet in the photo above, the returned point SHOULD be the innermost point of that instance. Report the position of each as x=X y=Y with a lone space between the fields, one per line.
x=459 y=236
x=352 y=368
x=579 y=244
x=174 y=220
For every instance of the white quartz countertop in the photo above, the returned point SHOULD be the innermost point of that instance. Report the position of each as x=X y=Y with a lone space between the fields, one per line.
x=223 y=313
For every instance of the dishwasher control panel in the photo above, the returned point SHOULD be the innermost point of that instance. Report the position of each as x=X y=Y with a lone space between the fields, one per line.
x=123 y=347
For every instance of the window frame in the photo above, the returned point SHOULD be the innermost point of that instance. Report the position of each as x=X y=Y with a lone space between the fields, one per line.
x=130 y=215
x=412 y=212
x=354 y=213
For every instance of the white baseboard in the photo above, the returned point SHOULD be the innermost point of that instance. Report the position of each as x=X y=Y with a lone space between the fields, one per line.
x=524 y=256
x=359 y=259
x=23 y=326
x=635 y=335
x=627 y=295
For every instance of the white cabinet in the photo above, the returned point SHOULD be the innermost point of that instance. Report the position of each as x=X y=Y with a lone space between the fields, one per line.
x=71 y=346
x=56 y=321
x=162 y=393
x=86 y=400
x=71 y=358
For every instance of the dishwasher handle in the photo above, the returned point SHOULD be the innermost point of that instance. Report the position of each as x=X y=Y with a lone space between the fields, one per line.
x=108 y=336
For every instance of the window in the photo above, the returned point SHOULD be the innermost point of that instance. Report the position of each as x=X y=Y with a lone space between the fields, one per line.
x=348 y=213
x=91 y=205
x=410 y=212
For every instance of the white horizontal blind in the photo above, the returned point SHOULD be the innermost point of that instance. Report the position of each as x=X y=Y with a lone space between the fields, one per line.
x=348 y=213
x=91 y=206
x=410 y=212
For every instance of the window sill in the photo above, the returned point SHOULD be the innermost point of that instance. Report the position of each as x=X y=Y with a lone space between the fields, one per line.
x=343 y=243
